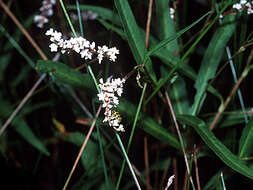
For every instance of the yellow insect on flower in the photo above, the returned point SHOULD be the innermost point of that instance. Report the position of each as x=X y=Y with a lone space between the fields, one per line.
x=116 y=115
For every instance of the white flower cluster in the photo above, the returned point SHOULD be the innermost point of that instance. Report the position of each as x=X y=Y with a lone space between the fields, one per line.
x=108 y=95
x=81 y=46
x=45 y=11
x=86 y=15
x=172 y=13
x=244 y=5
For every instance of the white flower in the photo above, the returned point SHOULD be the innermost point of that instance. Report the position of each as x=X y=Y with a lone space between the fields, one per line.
x=40 y=20
x=49 y=32
x=53 y=47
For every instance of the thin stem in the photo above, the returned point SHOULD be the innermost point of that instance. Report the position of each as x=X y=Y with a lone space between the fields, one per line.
x=127 y=160
x=180 y=138
x=67 y=17
x=103 y=158
x=148 y=22
x=79 y=102
x=222 y=180
x=146 y=163
x=168 y=164
x=196 y=168
x=223 y=106
x=22 y=103
x=81 y=149
x=175 y=173
x=132 y=133
x=79 y=17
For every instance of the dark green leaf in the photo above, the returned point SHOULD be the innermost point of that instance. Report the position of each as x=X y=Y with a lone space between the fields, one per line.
x=246 y=141
x=134 y=37
x=215 y=145
x=64 y=74
x=212 y=59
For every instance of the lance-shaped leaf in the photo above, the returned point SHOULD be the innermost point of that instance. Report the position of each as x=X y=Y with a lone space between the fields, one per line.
x=215 y=145
x=64 y=74
x=135 y=40
x=246 y=141
x=212 y=59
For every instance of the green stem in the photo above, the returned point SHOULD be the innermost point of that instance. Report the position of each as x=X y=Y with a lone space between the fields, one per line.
x=132 y=132
x=127 y=160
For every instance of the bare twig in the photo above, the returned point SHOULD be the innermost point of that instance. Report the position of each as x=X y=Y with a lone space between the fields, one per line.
x=175 y=173
x=146 y=163
x=165 y=172
x=27 y=96
x=145 y=138
x=196 y=168
x=82 y=149
x=148 y=22
x=223 y=106
x=180 y=137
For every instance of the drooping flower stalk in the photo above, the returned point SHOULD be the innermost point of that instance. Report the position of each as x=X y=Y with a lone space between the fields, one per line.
x=80 y=45
x=110 y=90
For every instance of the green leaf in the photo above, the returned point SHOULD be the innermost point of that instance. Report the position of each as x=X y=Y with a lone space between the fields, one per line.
x=178 y=95
x=246 y=140
x=165 y=25
x=64 y=74
x=22 y=128
x=135 y=40
x=166 y=29
x=215 y=145
x=103 y=12
x=108 y=26
x=148 y=124
x=212 y=59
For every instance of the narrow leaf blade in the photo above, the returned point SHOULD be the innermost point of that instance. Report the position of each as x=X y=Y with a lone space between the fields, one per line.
x=216 y=146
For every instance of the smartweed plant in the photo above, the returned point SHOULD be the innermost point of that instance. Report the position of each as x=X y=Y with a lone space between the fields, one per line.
x=163 y=86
